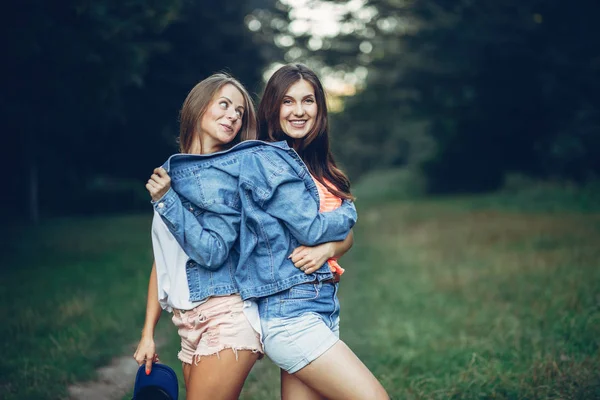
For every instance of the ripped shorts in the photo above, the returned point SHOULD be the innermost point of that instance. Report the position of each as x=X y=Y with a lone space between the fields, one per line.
x=217 y=324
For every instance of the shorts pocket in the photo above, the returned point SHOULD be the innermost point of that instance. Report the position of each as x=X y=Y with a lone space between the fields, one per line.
x=302 y=292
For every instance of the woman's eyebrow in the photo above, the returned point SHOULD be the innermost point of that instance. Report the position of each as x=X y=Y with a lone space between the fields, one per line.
x=305 y=96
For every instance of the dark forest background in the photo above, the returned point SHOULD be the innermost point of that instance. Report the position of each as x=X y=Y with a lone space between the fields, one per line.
x=461 y=94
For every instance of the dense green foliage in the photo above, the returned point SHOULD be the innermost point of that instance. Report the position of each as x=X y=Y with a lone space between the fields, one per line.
x=467 y=90
x=462 y=93
x=94 y=91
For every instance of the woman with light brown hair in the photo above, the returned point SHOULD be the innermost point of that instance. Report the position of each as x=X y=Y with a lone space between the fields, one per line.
x=219 y=346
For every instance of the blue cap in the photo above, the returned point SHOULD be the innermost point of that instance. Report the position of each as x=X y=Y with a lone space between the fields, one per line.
x=161 y=384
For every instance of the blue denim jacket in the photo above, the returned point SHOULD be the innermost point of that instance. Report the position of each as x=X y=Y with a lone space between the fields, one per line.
x=254 y=203
x=211 y=267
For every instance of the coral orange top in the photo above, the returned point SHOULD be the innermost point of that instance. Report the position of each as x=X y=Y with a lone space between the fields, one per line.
x=329 y=202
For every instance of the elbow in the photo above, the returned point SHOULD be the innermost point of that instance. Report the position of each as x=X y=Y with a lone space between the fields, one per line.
x=310 y=240
x=216 y=261
x=350 y=240
x=217 y=255
x=210 y=254
x=211 y=263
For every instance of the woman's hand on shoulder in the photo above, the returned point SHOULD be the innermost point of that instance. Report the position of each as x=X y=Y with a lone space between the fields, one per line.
x=158 y=184
x=309 y=259
x=146 y=353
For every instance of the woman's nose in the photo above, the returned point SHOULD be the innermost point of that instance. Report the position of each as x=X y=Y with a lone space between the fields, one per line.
x=233 y=115
x=299 y=110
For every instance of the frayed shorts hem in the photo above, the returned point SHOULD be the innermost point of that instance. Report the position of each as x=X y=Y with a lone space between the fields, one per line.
x=316 y=353
x=195 y=359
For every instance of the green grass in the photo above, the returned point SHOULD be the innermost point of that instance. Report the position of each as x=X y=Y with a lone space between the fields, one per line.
x=73 y=295
x=475 y=303
x=463 y=298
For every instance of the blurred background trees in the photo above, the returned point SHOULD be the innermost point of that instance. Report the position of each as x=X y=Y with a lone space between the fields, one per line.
x=466 y=91
x=94 y=90
x=462 y=92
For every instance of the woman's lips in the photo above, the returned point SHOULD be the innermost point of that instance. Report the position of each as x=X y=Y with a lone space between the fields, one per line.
x=227 y=127
x=298 y=124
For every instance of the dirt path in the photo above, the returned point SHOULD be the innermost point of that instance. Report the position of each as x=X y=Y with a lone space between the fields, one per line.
x=114 y=381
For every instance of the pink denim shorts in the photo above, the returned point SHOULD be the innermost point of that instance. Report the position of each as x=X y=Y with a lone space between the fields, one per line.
x=215 y=325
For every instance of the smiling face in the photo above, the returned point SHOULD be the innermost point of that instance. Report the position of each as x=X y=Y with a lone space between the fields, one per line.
x=298 y=110
x=222 y=120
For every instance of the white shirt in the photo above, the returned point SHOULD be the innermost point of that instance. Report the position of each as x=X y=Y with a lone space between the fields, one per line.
x=173 y=290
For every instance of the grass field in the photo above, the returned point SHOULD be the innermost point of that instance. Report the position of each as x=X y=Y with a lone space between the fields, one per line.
x=464 y=298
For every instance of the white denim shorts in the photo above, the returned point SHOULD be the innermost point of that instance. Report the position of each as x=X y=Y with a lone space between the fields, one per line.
x=300 y=324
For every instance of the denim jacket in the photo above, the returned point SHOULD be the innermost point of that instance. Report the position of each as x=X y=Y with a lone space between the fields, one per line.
x=251 y=206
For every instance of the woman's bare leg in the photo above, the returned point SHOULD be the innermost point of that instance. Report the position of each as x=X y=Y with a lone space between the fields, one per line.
x=293 y=388
x=339 y=374
x=220 y=377
x=187 y=368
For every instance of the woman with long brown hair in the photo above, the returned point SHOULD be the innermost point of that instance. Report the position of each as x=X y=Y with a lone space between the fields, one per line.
x=300 y=325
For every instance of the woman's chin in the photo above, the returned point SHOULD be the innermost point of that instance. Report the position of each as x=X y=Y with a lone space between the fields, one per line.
x=296 y=133
x=226 y=137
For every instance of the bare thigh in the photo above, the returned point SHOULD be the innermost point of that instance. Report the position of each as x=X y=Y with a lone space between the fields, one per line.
x=293 y=388
x=187 y=368
x=219 y=377
x=339 y=374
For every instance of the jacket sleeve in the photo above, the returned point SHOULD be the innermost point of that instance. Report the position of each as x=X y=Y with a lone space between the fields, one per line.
x=276 y=188
x=209 y=247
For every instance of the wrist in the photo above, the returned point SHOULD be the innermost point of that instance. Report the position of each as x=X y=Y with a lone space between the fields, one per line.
x=163 y=197
x=331 y=251
x=148 y=333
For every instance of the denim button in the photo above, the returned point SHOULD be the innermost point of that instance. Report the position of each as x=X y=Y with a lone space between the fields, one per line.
x=161 y=205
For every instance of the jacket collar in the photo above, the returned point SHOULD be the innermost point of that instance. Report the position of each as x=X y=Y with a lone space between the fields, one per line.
x=179 y=157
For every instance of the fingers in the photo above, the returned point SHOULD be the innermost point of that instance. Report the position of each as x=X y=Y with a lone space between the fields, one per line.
x=312 y=269
x=152 y=189
x=156 y=179
x=159 y=183
x=160 y=180
x=297 y=251
x=152 y=185
x=298 y=254
x=145 y=354
x=306 y=264
x=309 y=259
x=139 y=357
x=160 y=176
x=149 y=365
x=303 y=263
x=160 y=171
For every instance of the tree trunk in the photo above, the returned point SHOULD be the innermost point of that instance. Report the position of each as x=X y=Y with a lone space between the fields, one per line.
x=34 y=211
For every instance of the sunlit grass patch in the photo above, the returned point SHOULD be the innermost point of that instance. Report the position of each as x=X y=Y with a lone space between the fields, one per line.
x=447 y=301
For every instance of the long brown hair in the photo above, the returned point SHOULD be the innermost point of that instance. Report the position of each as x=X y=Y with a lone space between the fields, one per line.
x=198 y=100
x=314 y=147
